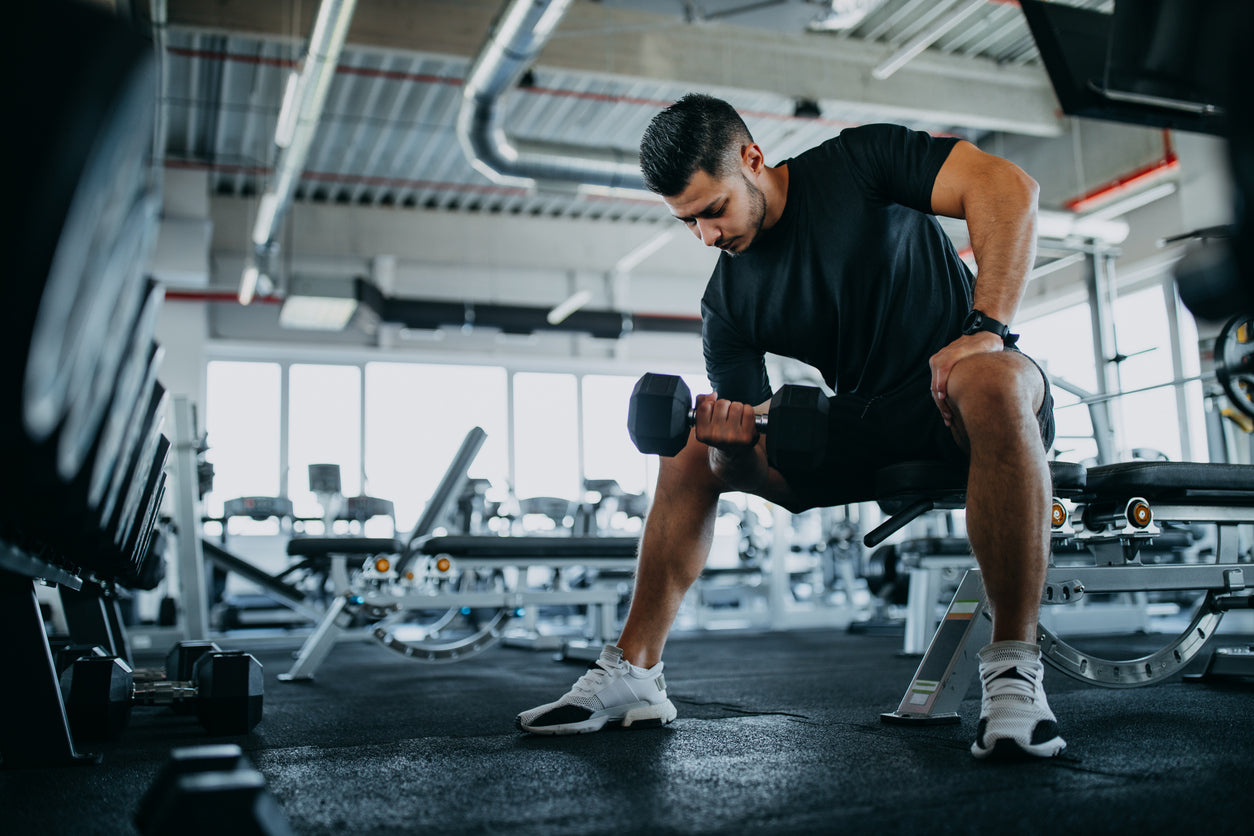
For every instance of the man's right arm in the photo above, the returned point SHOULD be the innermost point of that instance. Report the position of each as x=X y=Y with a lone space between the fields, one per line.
x=725 y=419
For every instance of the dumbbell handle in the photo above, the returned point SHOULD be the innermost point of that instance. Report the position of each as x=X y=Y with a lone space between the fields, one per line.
x=164 y=692
x=759 y=420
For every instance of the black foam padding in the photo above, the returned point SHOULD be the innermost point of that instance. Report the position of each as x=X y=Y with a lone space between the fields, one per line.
x=1203 y=482
x=528 y=547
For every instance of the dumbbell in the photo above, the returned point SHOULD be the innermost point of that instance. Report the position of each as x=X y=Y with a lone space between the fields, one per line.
x=210 y=789
x=179 y=662
x=661 y=412
x=225 y=691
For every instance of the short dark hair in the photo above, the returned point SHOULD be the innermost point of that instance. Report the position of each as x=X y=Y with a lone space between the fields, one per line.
x=696 y=132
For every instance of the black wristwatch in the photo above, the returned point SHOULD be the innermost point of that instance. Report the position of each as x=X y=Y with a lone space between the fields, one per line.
x=977 y=321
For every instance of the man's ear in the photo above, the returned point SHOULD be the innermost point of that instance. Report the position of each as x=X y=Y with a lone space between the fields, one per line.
x=752 y=158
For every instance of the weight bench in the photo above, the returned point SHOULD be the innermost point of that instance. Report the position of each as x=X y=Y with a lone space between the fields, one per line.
x=908 y=490
x=455 y=558
x=1117 y=511
x=379 y=591
x=492 y=555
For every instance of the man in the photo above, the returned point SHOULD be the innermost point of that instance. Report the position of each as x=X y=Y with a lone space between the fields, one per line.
x=835 y=258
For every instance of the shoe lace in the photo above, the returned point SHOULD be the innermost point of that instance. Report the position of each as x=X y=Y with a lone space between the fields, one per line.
x=1011 y=681
x=593 y=679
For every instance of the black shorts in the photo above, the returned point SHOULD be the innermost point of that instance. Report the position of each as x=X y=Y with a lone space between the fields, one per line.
x=866 y=433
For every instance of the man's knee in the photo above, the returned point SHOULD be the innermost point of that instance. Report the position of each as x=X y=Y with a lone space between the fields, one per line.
x=1000 y=385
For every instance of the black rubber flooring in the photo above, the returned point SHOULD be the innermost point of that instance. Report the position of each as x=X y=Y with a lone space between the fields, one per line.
x=777 y=733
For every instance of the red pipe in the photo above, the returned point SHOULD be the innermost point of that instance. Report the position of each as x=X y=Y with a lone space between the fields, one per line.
x=1108 y=190
x=215 y=296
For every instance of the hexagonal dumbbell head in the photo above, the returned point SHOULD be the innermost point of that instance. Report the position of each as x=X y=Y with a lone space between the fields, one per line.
x=659 y=414
x=230 y=691
x=180 y=666
x=97 y=693
x=180 y=662
x=797 y=438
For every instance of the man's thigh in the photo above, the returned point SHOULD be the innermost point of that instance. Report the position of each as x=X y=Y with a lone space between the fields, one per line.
x=869 y=433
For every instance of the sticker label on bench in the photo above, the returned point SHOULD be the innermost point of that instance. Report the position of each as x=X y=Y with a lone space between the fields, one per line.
x=962 y=610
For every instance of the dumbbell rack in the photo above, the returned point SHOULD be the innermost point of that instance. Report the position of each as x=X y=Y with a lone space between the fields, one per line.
x=34 y=730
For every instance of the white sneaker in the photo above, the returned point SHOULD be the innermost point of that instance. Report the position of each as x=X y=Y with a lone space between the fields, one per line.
x=1015 y=719
x=611 y=692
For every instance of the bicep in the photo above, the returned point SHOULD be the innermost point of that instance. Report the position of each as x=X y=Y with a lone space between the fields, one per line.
x=969 y=173
x=737 y=371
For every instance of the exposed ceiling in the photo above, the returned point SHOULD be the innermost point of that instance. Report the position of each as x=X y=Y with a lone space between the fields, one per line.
x=386 y=137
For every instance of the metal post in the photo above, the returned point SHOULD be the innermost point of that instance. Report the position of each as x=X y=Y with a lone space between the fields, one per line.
x=1101 y=291
x=781 y=548
x=191 y=560
x=950 y=664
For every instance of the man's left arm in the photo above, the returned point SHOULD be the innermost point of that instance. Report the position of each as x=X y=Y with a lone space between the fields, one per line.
x=998 y=201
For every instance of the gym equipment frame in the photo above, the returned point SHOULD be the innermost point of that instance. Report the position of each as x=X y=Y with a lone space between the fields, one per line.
x=1119 y=510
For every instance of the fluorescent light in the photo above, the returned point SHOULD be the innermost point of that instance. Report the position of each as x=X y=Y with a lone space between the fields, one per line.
x=317 y=313
x=248 y=284
x=319 y=304
x=286 y=127
x=844 y=14
x=576 y=301
x=265 y=218
x=1059 y=226
x=1136 y=201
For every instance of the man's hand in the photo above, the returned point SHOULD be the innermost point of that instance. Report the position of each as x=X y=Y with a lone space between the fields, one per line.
x=943 y=361
x=727 y=425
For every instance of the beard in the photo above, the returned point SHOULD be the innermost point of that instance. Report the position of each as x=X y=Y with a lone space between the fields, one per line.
x=757 y=215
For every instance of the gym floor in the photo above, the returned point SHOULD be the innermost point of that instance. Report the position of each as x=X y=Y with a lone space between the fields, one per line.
x=777 y=733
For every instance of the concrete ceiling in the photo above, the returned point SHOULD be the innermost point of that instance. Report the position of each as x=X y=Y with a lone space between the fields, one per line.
x=386 y=177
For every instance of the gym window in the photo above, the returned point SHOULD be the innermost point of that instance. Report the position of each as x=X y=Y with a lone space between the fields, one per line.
x=416 y=417
x=324 y=427
x=242 y=412
x=546 y=432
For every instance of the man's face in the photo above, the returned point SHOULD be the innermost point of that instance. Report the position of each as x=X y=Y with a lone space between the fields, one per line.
x=726 y=213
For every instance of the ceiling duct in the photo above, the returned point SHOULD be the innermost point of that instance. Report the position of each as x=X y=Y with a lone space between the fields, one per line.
x=299 y=116
x=433 y=314
x=517 y=37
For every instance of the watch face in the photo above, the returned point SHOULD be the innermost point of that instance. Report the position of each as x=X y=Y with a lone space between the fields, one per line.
x=972 y=322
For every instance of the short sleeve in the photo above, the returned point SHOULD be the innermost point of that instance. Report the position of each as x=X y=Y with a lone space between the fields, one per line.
x=893 y=164
x=736 y=370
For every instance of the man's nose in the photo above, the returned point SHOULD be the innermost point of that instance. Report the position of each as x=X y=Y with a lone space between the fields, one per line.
x=707 y=232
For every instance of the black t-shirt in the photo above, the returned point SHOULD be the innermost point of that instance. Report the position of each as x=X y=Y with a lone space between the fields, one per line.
x=856 y=279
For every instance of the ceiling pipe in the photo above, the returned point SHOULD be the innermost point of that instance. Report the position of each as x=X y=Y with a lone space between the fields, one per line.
x=303 y=102
x=158 y=24
x=517 y=37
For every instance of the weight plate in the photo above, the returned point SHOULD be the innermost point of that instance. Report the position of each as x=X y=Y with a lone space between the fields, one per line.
x=136 y=423
x=91 y=394
x=87 y=172
x=126 y=395
x=1234 y=362
x=138 y=480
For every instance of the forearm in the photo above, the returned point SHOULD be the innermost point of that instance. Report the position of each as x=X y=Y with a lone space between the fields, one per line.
x=997 y=199
x=744 y=469
x=1001 y=220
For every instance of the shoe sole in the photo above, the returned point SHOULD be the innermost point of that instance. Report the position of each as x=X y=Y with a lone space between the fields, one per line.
x=1006 y=749
x=640 y=716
